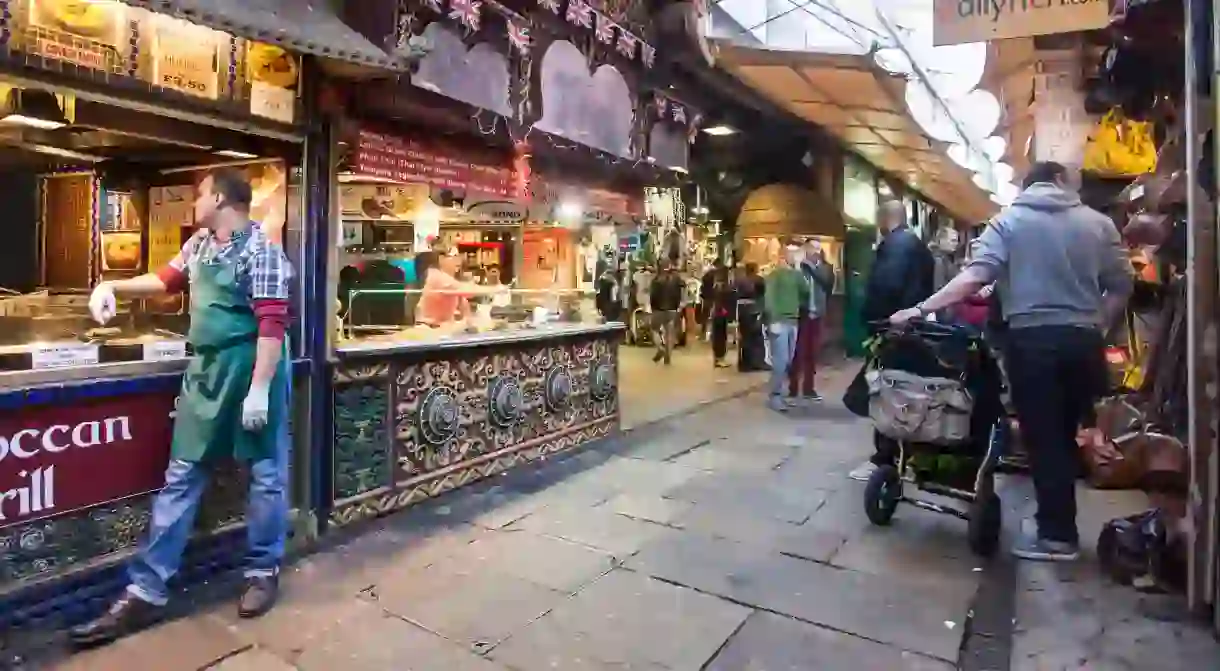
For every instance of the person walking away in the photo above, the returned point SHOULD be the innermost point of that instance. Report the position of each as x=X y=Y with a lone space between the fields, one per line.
x=233 y=403
x=902 y=275
x=706 y=288
x=820 y=276
x=607 y=300
x=751 y=291
x=665 y=296
x=786 y=296
x=722 y=303
x=1063 y=276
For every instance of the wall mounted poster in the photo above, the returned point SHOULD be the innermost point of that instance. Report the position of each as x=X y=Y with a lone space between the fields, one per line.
x=89 y=34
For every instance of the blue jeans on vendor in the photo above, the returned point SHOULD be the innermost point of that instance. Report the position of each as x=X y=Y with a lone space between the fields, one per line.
x=173 y=520
x=782 y=338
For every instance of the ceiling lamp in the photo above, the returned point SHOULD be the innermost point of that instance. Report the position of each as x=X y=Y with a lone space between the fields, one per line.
x=894 y=61
x=931 y=116
x=1003 y=172
x=994 y=147
x=978 y=112
x=953 y=70
x=719 y=130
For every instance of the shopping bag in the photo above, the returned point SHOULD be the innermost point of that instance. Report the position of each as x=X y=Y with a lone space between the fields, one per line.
x=1120 y=147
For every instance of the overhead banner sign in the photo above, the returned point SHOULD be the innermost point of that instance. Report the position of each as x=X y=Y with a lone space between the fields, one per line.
x=962 y=21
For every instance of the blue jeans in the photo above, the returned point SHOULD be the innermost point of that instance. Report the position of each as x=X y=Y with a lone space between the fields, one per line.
x=782 y=337
x=173 y=519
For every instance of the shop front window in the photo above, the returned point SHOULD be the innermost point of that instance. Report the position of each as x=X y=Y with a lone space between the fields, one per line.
x=109 y=203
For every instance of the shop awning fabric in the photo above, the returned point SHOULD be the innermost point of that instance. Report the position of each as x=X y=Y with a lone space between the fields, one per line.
x=864 y=107
x=303 y=26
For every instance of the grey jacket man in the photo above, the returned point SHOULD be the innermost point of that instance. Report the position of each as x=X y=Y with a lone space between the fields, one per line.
x=821 y=279
x=1053 y=259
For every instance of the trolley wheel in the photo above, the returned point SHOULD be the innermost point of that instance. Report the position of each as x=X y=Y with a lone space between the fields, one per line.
x=881 y=495
x=986 y=520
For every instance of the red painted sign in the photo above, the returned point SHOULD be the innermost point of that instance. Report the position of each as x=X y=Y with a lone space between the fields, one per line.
x=57 y=459
x=415 y=162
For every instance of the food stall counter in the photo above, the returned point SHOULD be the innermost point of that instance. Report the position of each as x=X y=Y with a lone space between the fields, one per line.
x=422 y=409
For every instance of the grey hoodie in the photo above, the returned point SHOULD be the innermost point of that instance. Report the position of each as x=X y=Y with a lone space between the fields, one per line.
x=1053 y=259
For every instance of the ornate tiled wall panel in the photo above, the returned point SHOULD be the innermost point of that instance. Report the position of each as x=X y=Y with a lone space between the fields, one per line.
x=415 y=425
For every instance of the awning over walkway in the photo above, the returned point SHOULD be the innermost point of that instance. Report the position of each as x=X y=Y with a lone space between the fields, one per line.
x=862 y=105
x=303 y=26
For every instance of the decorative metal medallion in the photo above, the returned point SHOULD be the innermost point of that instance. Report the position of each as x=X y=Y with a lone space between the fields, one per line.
x=557 y=388
x=438 y=416
x=505 y=402
x=602 y=381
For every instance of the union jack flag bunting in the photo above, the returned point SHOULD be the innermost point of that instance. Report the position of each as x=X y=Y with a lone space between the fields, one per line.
x=605 y=29
x=552 y=5
x=648 y=54
x=580 y=13
x=468 y=12
x=627 y=43
x=519 y=37
x=679 y=114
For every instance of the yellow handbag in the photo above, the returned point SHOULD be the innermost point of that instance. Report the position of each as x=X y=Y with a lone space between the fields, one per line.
x=1120 y=147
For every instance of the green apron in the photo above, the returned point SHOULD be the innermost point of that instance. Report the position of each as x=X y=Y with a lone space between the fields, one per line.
x=224 y=335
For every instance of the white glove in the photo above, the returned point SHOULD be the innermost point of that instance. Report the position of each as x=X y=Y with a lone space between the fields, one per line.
x=254 y=408
x=102 y=304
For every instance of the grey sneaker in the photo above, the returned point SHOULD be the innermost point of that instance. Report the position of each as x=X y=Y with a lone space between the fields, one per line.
x=777 y=404
x=1033 y=548
x=863 y=471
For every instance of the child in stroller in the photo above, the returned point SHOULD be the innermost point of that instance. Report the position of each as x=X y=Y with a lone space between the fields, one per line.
x=963 y=471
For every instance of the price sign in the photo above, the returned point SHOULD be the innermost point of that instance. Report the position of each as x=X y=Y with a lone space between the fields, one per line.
x=185 y=57
x=163 y=350
x=272 y=102
x=63 y=355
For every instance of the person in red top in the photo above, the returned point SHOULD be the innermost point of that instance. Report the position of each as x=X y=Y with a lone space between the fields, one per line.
x=976 y=309
x=444 y=297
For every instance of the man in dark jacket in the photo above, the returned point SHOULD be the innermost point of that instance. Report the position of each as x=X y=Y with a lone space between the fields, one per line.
x=903 y=271
x=665 y=297
x=903 y=274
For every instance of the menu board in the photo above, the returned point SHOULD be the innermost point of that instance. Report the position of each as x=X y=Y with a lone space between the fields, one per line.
x=413 y=161
x=89 y=34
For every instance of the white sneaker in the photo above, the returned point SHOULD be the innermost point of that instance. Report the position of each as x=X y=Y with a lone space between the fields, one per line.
x=863 y=471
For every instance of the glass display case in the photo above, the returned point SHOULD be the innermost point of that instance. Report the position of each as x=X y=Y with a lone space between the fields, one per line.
x=380 y=317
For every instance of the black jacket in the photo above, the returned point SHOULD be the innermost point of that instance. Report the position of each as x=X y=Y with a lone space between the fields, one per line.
x=903 y=275
x=666 y=292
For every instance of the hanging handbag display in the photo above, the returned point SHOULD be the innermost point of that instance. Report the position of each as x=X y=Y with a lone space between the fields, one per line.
x=1120 y=147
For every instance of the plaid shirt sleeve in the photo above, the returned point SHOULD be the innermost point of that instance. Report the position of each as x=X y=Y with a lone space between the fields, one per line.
x=270 y=273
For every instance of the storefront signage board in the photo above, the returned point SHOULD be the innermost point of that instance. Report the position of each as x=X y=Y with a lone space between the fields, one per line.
x=90 y=35
x=962 y=21
x=57 y=459
x=171 y=209
x=186 y=56
x=412 y=161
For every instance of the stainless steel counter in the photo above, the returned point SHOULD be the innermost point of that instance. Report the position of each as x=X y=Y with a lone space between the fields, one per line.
x=458 y=341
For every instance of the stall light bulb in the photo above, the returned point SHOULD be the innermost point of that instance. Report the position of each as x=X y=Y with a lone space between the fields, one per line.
x=570 y=210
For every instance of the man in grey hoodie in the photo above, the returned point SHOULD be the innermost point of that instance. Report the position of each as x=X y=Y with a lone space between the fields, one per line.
x=1063 y=276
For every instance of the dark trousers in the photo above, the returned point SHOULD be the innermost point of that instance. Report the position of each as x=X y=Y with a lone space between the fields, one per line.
x=664 y=332
x=802 y=376
x=720 y=337
x=1057 y=373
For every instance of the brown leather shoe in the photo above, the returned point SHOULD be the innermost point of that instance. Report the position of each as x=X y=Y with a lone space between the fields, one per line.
x=259 y=596
x=126 y=615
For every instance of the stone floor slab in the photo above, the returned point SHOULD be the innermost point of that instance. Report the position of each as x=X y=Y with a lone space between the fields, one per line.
x=378 y=641
x=253 y=660
x=768 y=642
x=187 y=644
x=475 y=607
x=756 y=493
x=595 y=527
x=722 y=457
x=627 y=620
x=648 y=507
x=551 y=562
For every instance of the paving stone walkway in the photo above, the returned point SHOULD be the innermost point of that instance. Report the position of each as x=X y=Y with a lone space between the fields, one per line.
x=729 y=539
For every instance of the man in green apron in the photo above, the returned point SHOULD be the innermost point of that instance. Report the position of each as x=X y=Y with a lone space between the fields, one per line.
x=233 y=403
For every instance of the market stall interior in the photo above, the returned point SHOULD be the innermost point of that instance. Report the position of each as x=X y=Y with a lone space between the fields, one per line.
x=93 y=192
